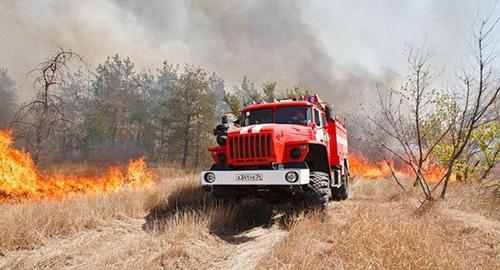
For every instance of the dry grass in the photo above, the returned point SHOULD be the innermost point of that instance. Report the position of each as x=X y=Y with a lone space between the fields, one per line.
x=176 y=225
x=474 y=198
x=173 y=225
x=383 y=228
x=27 y=226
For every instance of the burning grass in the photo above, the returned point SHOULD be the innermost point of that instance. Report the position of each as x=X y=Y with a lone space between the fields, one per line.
x=20 y=179
x=369 y=169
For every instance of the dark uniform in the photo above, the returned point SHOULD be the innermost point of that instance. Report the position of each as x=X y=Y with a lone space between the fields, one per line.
x=221 y=131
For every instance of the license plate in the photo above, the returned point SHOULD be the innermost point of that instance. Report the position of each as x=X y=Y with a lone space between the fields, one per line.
x=249 y=177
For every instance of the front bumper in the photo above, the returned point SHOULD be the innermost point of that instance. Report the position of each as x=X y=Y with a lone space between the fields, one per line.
x=255 y=177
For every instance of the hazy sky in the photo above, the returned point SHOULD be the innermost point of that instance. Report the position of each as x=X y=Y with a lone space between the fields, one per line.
x=329 y=45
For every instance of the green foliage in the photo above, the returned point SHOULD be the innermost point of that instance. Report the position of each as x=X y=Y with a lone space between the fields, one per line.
x=120 y=113
x=297 y=92
x=247 y=93
x=113 y=92
x=269 y=89
x=481 y=152
x=217 y=90
x=241 y=96
x=193 y=110
x=233 y=102
x=117 y=112
x=487 y=139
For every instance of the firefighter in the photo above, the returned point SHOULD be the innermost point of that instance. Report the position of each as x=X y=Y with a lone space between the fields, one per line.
x=221 y=131
x=299 y=117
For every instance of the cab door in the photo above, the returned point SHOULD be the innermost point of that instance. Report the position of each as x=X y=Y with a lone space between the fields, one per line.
x=321 y=129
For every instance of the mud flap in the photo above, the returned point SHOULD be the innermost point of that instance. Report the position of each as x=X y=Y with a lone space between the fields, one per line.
x=336 y=178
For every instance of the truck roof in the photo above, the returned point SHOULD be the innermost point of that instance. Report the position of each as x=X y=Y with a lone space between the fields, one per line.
x=279 y=104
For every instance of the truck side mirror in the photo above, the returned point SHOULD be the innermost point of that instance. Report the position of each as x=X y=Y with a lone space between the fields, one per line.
x=237 y=122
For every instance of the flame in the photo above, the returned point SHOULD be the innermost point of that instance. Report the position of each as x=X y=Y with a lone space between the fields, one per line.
x=20 y=180
x=367 y=169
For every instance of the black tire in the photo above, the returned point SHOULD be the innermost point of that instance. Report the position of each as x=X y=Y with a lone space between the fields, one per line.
x=341 y=193
x=317 y=191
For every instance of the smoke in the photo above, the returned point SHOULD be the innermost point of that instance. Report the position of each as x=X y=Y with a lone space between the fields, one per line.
x=265 y=40
x=31 y=30
x=337 y=49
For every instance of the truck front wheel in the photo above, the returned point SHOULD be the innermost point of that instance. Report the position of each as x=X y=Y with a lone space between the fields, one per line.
x=317 y=190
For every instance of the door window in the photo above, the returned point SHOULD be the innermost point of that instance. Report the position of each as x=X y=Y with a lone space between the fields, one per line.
x=317 y=119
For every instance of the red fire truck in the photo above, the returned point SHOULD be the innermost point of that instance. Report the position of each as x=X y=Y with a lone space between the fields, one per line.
x=283 y=150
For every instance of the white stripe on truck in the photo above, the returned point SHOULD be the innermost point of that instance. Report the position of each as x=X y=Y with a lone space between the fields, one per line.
x=253 y=128
x=341 y=140
x=245 y=130
x=257 y=128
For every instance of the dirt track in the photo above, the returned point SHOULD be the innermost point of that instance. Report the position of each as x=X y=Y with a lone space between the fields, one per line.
x=250 y=247
x=124 y=242
x=473 y=220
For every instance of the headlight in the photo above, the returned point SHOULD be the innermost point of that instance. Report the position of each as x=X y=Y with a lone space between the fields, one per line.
x=295 y=153
x=209 y=177
x=291 y=177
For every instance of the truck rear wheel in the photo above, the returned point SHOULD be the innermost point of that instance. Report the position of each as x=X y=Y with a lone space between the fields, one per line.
x=341 y=193
x=317 y=190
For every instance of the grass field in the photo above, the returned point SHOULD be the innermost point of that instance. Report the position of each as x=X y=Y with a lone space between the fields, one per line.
x=176 y=225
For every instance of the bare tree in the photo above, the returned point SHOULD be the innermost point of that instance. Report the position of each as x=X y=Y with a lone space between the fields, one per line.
x=477 y=96
x=37 y=121
x=408 y=118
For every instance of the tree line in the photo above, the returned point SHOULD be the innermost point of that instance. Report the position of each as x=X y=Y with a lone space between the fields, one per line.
x=116 y=112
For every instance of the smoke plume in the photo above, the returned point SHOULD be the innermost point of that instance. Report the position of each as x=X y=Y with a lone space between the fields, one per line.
x=336 y=48
x=264 y=40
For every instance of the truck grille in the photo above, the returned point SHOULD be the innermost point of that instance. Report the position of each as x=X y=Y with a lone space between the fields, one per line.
x=250 y=147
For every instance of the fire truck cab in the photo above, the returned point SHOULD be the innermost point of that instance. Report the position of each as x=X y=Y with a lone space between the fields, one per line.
x=287 y=149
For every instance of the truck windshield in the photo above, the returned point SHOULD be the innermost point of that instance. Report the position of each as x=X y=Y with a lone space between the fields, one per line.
x=262 y=116
x=293 y=115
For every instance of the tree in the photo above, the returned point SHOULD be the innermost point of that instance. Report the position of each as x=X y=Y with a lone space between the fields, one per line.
x=247 y=93
x=217 y=90
x=297 y=91
x=143 y=102
x=269 y=89
x=39 y=121
x=166 y=84
x=233 y=102
x=74 y=96
x=241 y=97
x=409 y=117
x=477 y=97
x=108 y=116
x=191 y=116
x=7 y=98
